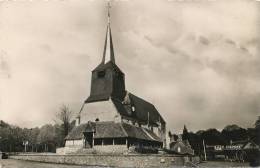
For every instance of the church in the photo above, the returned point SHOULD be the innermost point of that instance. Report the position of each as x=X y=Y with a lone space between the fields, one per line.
x=113 y=119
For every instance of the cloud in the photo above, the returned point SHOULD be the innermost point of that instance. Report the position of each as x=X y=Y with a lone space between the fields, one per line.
x=204 y=40
x=229 y=41
x=4 y=66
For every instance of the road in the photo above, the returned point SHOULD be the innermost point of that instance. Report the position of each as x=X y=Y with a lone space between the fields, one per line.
x=223 y=164
x=10 y=163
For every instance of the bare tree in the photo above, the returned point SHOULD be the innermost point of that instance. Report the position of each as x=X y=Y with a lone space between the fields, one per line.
x=64 y=116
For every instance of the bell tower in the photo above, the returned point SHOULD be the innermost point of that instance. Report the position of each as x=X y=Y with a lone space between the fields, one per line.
x=107 y=79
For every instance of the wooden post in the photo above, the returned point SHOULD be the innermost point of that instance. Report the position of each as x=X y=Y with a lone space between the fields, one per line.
x=93 y=140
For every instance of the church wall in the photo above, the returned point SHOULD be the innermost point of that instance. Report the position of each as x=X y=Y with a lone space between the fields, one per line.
x=101 y=85
x=118 y=84
x=103 y=110
x=74 y=143
x=163 y=134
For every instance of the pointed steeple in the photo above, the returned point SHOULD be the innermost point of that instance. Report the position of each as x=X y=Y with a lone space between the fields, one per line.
x=107 y=78
x=108 y=54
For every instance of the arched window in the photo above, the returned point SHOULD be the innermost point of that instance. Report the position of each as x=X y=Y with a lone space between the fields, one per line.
x=97 y=119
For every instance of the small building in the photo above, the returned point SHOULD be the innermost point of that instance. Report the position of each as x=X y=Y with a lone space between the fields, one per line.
x=182 y=147
x=251 y=145
x=112 y=137
x=242 y=150
x=113 y=119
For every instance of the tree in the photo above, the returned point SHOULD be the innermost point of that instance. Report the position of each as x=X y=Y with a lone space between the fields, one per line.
x=257 y=130
x=170 y=134
x=64 y=116
x=3 y=124
x=234 y=133
x=212 y=137
x=46 y=134
x=48 y=138
x=185 y=134
x=175 y=137
x=195 y=142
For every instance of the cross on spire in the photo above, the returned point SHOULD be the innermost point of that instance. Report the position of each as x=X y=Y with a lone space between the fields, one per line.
x=108 y=54
x=108 y=11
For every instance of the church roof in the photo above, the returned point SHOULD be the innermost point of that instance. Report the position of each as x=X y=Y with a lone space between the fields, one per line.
x=139 y=109
x=145 y=110
x=108 y=65
x=77 y=132
x=109 y=130
x=140 y=133
x=112 y=130
x=94 y=98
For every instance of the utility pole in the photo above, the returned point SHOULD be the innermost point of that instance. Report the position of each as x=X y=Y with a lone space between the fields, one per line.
x=205 y=154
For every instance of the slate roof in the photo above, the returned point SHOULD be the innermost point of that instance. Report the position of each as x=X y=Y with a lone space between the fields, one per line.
x=109 y=130
x=153 y=135
x=251 y=145
x=77 y=132
x=143 y=110
x=108 y=65
x=112 y=130
x=94 y=98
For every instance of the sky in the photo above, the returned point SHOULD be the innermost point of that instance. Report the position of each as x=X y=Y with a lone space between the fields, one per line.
x=197 y=61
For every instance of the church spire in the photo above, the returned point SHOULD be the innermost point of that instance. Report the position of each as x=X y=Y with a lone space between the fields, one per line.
x=108 y=54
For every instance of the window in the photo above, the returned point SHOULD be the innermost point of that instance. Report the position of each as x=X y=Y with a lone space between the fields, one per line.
x=101 y=74
x=179 y=149
x=97 y=119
